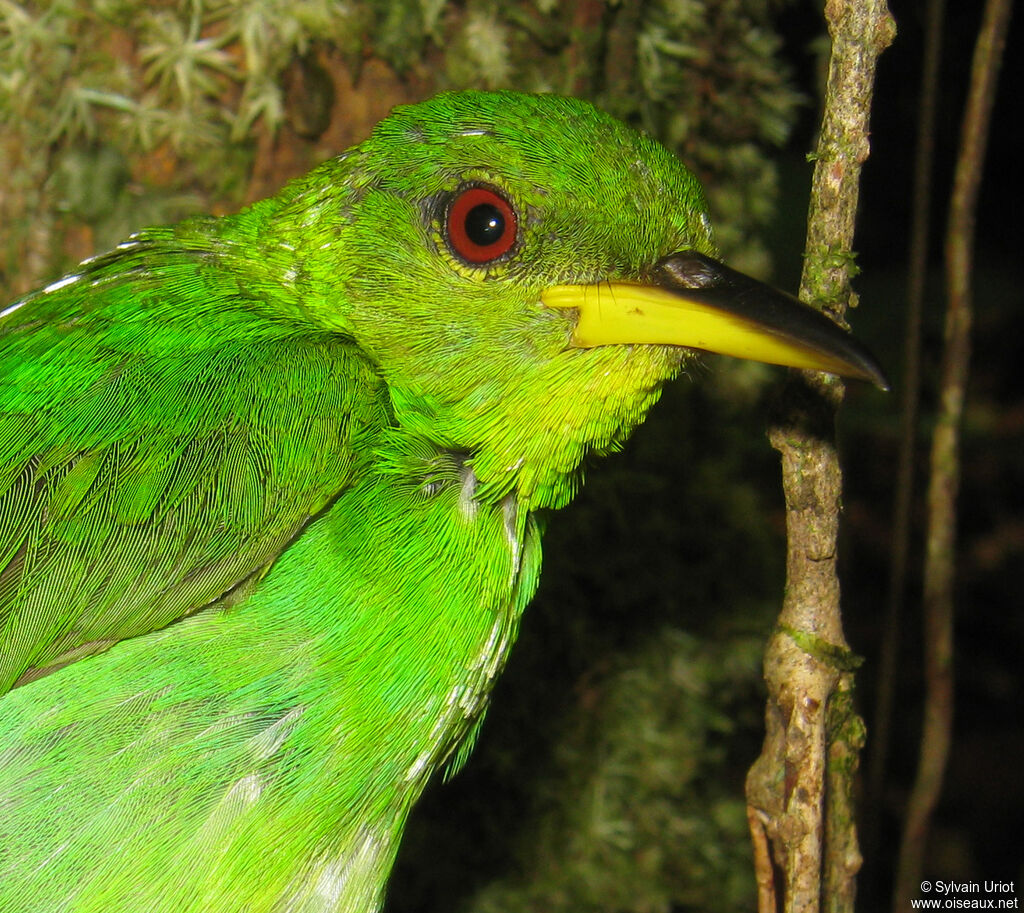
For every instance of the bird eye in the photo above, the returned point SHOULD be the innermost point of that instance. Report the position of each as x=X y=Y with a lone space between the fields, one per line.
x=481 y=225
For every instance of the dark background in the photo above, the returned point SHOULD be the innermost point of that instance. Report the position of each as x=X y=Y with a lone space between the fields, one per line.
x=609 y=773
x=975 y=831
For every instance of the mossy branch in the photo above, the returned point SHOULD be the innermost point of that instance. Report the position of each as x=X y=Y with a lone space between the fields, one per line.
x=800 y=788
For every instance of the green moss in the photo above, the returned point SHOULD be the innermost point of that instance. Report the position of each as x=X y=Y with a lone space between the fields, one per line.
x=199 y=84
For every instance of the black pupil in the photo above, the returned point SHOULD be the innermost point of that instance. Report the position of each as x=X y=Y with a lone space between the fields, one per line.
x=484 y=224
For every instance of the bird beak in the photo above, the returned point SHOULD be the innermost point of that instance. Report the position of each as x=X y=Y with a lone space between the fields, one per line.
x=692 y=300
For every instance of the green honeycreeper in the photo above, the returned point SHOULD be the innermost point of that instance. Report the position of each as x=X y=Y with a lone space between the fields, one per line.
x=268 y=488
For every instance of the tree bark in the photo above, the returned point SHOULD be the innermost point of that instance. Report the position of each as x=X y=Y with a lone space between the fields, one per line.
x=800 y=789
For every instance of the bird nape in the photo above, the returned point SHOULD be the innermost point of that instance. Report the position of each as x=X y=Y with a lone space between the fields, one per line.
x=268 y=486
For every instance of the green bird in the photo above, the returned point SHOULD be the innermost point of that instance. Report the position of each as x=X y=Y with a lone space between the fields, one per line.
x=269 y=487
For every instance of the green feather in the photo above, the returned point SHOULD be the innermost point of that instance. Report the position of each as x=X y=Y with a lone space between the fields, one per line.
x=268 y=488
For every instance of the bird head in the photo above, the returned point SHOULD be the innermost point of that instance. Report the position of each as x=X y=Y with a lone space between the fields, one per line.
x=526 y=272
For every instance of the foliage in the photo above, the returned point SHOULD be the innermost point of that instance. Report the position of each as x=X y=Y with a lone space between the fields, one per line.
x=180 y=96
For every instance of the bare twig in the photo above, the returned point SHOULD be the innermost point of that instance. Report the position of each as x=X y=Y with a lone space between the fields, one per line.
x=801 y=786
x=940 y=547
x=764 y=872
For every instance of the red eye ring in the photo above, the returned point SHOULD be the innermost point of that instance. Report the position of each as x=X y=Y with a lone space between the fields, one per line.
x=481 y=225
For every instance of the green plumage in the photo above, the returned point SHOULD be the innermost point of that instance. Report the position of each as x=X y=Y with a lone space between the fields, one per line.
x=267 y=495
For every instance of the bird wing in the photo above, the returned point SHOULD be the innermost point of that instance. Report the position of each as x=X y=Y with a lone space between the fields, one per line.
x=164 y=435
